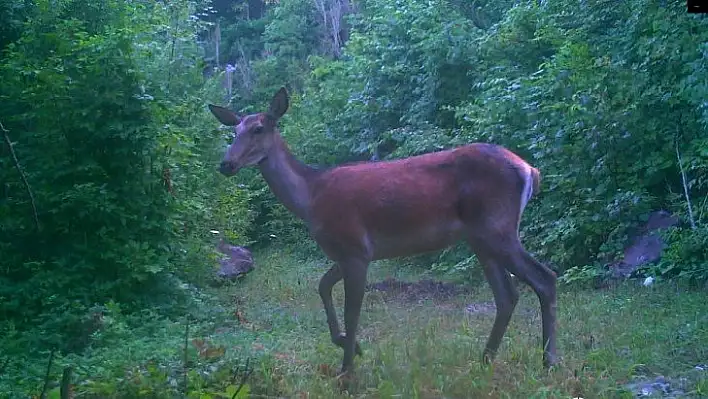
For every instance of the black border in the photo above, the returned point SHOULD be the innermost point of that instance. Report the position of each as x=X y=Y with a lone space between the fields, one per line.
x=697 y=6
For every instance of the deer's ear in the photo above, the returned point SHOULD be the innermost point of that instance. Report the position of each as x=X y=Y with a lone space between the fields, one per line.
x=279 y=104
x=224 y=115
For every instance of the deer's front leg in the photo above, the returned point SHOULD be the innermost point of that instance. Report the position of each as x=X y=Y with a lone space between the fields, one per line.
x=328 y=281
x=354 y=273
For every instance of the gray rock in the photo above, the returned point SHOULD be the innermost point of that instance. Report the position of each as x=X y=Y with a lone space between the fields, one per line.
x=237 y=261
x=646 y=246
x=659 y=387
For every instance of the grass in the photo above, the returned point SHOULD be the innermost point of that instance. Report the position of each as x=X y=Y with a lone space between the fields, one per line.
x=421 y=348
x=432 y=348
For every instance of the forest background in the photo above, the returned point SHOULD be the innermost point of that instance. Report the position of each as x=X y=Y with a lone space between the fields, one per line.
x=110 y=193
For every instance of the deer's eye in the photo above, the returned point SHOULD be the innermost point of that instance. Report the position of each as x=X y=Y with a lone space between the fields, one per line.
x=258 y=130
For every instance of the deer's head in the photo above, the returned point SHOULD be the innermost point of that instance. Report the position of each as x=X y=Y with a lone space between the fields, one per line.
x=254 y=135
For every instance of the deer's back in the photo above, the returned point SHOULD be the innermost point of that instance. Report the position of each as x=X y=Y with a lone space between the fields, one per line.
x=417 y=202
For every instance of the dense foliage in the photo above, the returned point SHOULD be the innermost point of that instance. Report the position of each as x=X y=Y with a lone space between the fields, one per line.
x=605 y=101
x=104 y=103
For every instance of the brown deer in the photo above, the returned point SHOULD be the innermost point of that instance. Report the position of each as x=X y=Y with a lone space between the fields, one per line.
x=375 y=210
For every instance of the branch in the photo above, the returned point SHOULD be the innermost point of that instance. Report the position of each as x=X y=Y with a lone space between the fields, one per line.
x=685 y=188
x=702 y=208
x=43 y=395
x=186 y=358
x=246 y=71
x=6 y=135
x=217 y=40
x=247 y=371
x=65 y=391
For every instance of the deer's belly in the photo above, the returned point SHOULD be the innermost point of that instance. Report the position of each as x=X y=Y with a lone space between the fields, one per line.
x=412 y=241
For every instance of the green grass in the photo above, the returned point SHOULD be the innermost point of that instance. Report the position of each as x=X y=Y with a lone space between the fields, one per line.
x=431 y=349
x=412 y=349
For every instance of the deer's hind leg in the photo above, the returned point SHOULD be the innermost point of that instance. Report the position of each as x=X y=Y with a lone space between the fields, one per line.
x=505 y=296
x=502 y=253
x=543 y=281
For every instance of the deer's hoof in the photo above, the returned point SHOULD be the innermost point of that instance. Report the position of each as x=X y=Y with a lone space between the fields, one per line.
x=550 y=361
x=345 y=380
x=487 y=357
x=340 y=341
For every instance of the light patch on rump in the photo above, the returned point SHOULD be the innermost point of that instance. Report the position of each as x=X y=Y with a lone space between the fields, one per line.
x=528 y=188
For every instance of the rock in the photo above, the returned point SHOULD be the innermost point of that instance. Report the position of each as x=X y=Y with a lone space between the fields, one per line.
x=646 y=246
x=237 y=261
x=659 y=387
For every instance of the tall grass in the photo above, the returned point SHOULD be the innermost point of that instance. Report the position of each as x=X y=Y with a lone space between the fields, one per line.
x=426 y=347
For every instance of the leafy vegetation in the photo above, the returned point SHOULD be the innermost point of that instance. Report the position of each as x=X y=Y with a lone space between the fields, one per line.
x=109 y=190
x=426 y=346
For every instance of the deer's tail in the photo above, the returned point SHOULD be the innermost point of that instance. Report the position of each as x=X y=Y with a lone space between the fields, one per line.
x=532 y=181
x=536 y=178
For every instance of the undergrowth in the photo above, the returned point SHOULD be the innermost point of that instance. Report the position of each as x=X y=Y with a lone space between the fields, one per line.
x=267 y=335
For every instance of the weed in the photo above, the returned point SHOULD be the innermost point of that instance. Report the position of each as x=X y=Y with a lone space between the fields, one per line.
x=415 y=346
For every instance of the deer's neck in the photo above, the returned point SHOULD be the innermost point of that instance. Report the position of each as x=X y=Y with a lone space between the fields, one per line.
x=288 y=178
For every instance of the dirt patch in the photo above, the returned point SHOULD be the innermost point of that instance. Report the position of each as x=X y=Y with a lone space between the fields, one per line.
x=482 y=307
x=416 y=291
x=441 y=294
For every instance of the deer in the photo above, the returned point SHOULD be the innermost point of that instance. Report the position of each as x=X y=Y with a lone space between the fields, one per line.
x=366 y=211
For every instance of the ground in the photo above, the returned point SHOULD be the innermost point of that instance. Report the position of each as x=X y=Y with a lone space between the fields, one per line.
x=421 y=339
x=424 y=340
